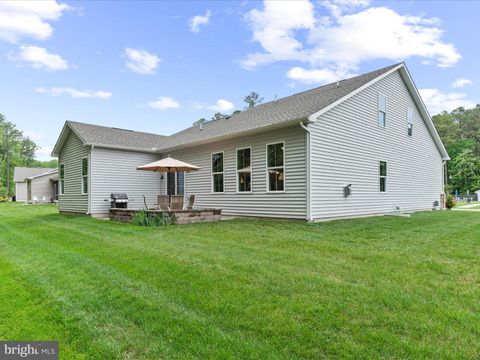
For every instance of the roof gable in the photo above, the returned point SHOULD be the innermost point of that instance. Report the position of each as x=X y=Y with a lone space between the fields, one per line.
x=110 y=137
x=22 y=173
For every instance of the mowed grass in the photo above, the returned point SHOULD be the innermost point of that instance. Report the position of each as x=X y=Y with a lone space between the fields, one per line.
x=385 y=287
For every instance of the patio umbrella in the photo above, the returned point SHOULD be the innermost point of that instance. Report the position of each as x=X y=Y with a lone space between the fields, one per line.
x=168 y=165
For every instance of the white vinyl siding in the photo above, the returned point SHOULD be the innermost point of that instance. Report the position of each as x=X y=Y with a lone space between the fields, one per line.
x=21 y=191
x=72 y=199
x=115 y=171
x=259 y=202
x=346 y=147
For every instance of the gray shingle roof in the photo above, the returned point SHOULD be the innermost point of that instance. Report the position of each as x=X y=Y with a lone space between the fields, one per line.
x=295 y=107
x=21 y=173
x=114 y=137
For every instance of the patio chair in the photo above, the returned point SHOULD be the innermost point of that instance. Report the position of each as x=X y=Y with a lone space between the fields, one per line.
x=35 y=200
x=191 y=201
x=163 y=202
x=44 y=199
x=176 y=202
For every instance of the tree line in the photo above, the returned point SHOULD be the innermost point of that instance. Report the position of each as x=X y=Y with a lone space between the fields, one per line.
x=460 y=133
x=15 y=150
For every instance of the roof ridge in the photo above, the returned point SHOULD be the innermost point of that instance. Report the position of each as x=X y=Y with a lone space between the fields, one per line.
x=113 y=128
x=260 y=106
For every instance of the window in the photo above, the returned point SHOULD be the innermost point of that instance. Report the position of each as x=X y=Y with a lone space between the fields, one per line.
x=84 y=175
x=175 y=183
x=217 y=172
x=61 y=179
x=275 y=167
x=382 y=110
x=244 y=170
x=409 y=122
x=383 y=176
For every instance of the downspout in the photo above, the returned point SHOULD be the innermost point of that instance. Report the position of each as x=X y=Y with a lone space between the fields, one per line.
x=308 y=174
x=445 y=183
x=89 y=194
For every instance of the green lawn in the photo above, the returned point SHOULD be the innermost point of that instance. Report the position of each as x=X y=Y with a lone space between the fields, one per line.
x=386 y=287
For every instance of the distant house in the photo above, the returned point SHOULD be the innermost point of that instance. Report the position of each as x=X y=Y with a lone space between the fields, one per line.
x=361 y=146
x=35 y=184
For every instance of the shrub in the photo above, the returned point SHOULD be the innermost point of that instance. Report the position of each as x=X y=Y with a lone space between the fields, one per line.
x=3 y=199
x=145 y=218
x=449 y=201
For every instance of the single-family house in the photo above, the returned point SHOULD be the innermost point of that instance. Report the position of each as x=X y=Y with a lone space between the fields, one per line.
x=35 y=184
x=360 y=146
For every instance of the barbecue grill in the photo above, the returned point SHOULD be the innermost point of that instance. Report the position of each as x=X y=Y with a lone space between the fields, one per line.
x=118 y=200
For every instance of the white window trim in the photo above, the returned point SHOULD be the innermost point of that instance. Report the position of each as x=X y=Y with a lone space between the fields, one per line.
x=60 y=180
x=386 y=109
x=267 y=184
x=409 y=109
x=83 y=176
x=379 y=177
x=212 y=173
x=251 y=170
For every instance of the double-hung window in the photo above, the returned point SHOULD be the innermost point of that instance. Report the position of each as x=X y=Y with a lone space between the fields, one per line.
x=409 y=122
x=382 y=110
x=244 y=170
x=61 y=180
x=85 y=175
x=383 y=176
x=217 y=173
x=276 y=167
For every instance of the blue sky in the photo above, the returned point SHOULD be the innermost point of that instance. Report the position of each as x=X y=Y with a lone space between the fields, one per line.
x=159 y=66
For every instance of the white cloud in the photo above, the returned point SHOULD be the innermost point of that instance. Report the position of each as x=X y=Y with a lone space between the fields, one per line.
x=74 y=93
x=339 y=42
x=274 y=26
x=199 y=20
x=221 y=105
x=461 y=82
x=141 y=61
x=437 y=101
x=164 y=102
x=316 y=75
x=39 y=58
x=29 y=19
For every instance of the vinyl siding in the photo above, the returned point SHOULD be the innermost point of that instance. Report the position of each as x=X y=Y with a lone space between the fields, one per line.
x=43 y=187
x=71 y=155
x=21 y=191
x=116 y=171
x=347 y=145
x=287 y=204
